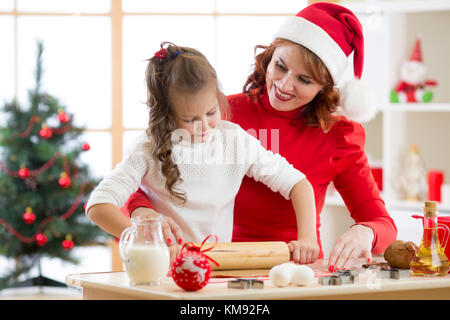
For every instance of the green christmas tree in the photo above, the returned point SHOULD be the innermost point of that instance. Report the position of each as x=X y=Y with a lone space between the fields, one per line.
x=43 y=184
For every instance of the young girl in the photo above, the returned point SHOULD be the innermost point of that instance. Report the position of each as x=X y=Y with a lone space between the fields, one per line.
x=190 y=163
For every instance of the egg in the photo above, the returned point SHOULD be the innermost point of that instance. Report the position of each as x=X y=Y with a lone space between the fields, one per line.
x=290 y=265
x=302 y=275
x=280 y=275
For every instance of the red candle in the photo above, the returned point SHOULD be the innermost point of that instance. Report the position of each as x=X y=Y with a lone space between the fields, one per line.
x=435 y=180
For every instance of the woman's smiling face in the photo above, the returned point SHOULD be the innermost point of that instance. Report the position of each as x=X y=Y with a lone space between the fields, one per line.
x=289 y=85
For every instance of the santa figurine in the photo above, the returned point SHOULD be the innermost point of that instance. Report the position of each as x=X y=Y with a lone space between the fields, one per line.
x=412 y=86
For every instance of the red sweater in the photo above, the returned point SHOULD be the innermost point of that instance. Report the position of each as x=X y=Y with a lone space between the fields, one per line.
x=338 y=156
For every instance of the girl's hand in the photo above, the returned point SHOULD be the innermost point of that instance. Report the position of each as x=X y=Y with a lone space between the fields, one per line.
x=353 y=244
x=304 y=251
x=170 y=228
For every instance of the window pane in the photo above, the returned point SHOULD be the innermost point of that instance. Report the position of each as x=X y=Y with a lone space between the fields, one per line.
x=76 y=64
x=99 y=157
x=235 y=50
x=78 y=6
x=261 y=6
x=92 y=259
x=7 y=77
x=6 y=5
x=191 y=31
x=180 y=6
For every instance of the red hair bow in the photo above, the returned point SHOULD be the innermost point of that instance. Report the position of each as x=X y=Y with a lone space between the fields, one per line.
x=161 y=54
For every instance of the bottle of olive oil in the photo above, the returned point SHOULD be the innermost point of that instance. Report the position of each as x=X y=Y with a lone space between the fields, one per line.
x=430 y=259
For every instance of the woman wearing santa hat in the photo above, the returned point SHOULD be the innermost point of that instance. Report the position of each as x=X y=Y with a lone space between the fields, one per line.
x=293 y=92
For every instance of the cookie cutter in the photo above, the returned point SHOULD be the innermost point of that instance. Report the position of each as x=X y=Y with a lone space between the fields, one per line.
x=246 y=284
x=340 y=277
x=332 y=280
x=395 y=273
x=348 y=276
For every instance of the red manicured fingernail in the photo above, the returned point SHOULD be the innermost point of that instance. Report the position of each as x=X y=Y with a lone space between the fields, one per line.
x=169 y=241
x=180 y=241
x=368 y=260
x=331 y=268
x=335 y=269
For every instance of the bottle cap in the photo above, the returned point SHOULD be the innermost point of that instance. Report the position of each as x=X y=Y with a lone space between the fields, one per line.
x=430 y=204
x=430 y=208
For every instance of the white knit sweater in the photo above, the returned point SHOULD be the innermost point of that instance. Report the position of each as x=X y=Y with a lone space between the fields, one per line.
x=212 y=173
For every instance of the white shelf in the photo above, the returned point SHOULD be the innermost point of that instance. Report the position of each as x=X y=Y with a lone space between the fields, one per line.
x=396 y=6
x=417 y=207
x=413 y=207
x=418 y=107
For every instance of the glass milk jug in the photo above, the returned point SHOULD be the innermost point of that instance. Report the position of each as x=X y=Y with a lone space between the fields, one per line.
x=143 y=251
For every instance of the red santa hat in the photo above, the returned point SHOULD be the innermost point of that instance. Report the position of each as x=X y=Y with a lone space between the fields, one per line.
x=333 y=32
x=416 y=54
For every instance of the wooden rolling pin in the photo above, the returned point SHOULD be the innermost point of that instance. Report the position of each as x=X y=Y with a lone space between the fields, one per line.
x=247 y=255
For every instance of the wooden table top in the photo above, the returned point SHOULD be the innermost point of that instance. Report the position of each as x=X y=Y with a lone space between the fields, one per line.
x=116 y=285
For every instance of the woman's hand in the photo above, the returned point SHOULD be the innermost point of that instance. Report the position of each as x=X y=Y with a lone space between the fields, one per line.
x=304 y=251
x=353 y=244
x=170 y=228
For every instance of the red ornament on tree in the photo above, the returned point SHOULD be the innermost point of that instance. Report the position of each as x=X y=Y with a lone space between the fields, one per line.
x=64 y=181
x=191 y=269
x=62 y=116
x=68 y=243
x=24 y=173
x=45 y=132
x=28 y=216
x=85 y=146
x=41 y=239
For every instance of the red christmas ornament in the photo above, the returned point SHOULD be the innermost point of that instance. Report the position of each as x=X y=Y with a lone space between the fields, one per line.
x=64 y=181
x=68 y=243
x=62 y=116
x=45 y=132
x=28 y=216
x=41 y=239
x=24 y=173
x=85 y=146
x=191 y=269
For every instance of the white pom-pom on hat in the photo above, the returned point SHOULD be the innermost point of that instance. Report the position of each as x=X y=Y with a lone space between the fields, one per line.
x=358 y=101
